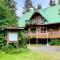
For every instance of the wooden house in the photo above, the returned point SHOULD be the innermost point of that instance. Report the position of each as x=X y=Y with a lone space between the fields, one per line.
x=41 y=25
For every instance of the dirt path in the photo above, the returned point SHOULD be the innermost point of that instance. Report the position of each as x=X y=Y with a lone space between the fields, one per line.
x=45 y=48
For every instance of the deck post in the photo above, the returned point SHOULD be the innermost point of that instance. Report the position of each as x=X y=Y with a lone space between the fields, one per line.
x=37 y=41
x=29 y=42
x=29 y=35
x=47 y=43
x=37 y=35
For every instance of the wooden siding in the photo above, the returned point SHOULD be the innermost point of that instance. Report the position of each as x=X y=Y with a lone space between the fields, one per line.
x=50 y=33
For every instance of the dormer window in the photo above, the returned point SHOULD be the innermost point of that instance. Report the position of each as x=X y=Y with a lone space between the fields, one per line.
x=37 y=19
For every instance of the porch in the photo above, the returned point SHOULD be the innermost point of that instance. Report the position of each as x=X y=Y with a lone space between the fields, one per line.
x=37 y=42
x=43 y=32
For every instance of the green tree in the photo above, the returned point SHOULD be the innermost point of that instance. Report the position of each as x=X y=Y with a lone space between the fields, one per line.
x=27 y=5
x=58 y=1
x=22 y=39
x=7 y=16
x=52 y=3
x=39 y=6
x=7 y=19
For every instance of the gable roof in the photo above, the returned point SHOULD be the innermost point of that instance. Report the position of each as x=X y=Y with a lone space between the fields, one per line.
x=51 y=14
x=26 y=16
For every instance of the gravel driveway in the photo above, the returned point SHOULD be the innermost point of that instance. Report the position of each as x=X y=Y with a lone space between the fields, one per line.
x=45 y=48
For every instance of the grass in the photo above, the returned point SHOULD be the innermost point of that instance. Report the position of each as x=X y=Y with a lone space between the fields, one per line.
x=30 y=55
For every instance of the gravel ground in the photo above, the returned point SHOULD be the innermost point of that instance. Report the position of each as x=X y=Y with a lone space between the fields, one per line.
x=45 y=48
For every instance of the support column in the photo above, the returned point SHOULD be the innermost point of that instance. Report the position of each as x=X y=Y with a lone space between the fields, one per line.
x=37 y=41
x=29 y=42
x=59 y=31
x=37 y=35
x=47 y=43
x=29 y=35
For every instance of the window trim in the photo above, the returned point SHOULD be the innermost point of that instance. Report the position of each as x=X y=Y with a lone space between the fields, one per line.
x=43 y=30
x=33 y=28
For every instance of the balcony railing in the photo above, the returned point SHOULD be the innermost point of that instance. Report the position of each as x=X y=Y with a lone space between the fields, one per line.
x=28 y=22
x=34 y=22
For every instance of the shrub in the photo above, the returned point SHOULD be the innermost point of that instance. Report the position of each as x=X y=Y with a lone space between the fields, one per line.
x=54 y=42
x=22 y=40
x=11 y=48
x=2 y=39
x=7 y=48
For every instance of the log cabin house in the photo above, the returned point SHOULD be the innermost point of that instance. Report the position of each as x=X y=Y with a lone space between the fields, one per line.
x=41 y=25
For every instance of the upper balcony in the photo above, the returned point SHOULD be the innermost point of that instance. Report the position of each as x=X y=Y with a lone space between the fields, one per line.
x=34 y=22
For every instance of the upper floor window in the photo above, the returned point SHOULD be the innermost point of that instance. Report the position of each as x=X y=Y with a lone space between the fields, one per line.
x=43 y=29
x=33 y=30
x=38 y=20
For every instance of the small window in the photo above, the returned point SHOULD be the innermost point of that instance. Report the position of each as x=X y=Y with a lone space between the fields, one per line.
x=43 y=30
x=33 y=30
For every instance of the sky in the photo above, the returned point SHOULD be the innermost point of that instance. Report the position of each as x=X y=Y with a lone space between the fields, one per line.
x=20 y=5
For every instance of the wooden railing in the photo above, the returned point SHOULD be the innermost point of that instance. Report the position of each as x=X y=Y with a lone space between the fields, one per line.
x=33 y=22
x=55 y=34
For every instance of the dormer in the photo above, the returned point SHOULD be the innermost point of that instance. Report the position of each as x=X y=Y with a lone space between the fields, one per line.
x=37 y=19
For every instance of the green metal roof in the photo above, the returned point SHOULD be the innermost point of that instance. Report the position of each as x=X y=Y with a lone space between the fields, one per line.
x=51 y=14
x=26 y=16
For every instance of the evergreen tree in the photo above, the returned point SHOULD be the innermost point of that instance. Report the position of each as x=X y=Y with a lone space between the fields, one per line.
x=52 y=3
x=11 y=4
x=7 y=14
x=27 y=5
x=58 y=1
x=7 y=19
x=39 y=6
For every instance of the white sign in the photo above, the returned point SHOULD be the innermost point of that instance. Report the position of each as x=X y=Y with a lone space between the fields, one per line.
x=12 y=36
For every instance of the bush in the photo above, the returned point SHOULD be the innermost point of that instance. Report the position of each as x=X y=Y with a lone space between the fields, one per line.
x=7 y=48
x=2 y=39
x=54 y=42
x=12 y=48
x=22 y=40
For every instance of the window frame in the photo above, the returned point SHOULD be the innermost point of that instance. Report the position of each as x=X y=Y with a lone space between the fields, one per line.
x=43 y=29
x=12 y=33
x=33 y=31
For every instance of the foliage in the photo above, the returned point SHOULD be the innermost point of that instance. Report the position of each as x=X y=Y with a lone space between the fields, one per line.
x=22 y=39
x=2 y=39
x=39 y=6
x=54 y=42
x=52 y=3
x=7 y=48
x=59 y=2
x=7 y=19
x=27 y=5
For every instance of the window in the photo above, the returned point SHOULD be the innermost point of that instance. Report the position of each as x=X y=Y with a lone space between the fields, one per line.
x=33 y=30
x=43 y=30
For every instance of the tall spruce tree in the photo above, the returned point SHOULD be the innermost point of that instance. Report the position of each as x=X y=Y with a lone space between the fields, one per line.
x=11 y=4
x=27 y=5
x=7 y=19
x=39 y=6
x=52 y=3
x=58 y=1
x=9 y=13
